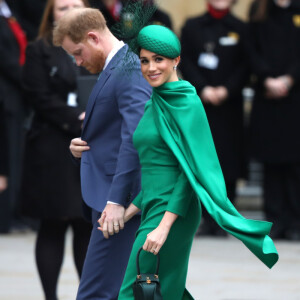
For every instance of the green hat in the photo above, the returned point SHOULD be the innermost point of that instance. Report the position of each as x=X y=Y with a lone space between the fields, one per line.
x=160 y=40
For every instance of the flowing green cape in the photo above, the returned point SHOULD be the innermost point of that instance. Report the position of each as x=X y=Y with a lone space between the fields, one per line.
x=181 y=120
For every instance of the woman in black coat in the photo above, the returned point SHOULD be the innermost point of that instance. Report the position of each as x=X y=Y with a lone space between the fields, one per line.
x=51 y=183
x=275 y=122
x=214 y=61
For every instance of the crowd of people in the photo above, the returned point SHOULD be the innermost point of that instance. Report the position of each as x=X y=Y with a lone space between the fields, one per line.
x=148 y=168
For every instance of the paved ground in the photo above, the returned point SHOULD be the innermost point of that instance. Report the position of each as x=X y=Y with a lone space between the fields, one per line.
x=220 y=269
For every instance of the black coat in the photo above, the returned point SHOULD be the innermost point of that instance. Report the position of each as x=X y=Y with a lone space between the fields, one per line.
x=51 y=182
x=275 y=51
x=4 y=143
x=29 y=13
x=10 y=70
x=205 y=34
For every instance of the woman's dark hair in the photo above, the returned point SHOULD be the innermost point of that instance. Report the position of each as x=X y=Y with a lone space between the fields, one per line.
x=46 y=26
x=260 y=10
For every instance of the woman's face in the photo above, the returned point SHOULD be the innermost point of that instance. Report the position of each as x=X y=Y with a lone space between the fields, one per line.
x=62 y=6
x=158 y=69
x=220 y=4
x=283 y=3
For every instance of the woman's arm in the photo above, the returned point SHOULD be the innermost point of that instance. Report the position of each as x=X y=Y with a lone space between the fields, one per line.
x=131 y=211
x=157 y=237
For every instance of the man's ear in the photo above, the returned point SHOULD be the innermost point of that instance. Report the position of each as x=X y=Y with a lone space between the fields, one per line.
x=93 y=37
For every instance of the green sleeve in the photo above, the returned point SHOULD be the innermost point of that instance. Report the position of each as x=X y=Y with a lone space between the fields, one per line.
x=138 y=200
x=182 y=194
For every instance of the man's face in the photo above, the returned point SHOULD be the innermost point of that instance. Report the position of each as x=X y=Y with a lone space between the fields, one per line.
x=220 y=4
x=87 y=54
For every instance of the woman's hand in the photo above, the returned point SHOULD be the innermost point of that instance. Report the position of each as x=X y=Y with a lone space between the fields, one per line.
x=156 y=239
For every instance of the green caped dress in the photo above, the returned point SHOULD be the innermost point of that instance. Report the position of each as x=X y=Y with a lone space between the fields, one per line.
x=180 y=173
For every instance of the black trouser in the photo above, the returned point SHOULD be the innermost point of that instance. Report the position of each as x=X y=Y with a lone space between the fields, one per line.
x=282 y=196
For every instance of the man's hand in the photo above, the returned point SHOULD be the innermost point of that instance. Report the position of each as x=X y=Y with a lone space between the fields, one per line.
x=275 y=88
x=3 y=183
x=81 y=116
x=78 y=146
x=222 y=93
x=214 y=95
x=112 y=219
x=208 y=95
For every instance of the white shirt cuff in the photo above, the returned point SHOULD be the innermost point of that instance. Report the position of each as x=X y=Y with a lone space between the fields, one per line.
x=110 y=202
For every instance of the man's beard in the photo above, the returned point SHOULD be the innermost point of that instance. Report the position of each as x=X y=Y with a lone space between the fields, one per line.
x=97 y=63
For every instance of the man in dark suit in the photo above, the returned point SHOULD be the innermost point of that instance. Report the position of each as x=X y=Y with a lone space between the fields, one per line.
x=109 y=162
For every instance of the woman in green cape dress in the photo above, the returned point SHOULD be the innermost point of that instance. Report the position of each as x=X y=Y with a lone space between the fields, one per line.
x=180 y=173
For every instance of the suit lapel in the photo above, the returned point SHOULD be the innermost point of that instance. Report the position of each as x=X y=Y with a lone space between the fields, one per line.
x=100 y=83
x=92 y=99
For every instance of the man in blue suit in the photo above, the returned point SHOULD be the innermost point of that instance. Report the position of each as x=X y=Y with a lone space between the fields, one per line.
x=109 y=163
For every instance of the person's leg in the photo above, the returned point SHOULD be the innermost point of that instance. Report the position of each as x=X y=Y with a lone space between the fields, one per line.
x=81 y=236
x=209 y=226
x=106 y=262
x=293 y=202
x=49 y=254
x=274 y=198
x=231 y=191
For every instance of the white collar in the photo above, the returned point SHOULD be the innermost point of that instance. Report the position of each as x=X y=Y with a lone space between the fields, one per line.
x=113 y=52
x=4 y=10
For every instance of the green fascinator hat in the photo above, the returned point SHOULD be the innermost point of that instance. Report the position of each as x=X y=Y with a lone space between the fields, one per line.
x=160 y=40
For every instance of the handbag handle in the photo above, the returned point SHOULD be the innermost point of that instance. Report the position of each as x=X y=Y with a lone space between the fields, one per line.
x=138 y=262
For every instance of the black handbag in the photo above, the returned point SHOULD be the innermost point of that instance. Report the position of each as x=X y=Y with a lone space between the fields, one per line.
x=146 y=286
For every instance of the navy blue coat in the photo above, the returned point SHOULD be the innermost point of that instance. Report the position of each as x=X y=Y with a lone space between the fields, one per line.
x=110 y=169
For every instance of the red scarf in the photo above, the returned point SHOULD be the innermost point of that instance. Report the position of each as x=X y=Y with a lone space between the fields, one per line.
x=217 y=14
x=20 y=37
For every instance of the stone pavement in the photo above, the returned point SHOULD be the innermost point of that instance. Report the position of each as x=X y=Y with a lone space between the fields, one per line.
x=220 y=269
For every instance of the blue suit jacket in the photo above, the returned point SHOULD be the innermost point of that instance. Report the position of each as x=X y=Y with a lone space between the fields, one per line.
x=110 y=170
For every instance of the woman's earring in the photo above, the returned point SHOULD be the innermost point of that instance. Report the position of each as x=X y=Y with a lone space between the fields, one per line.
x=175 y=68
